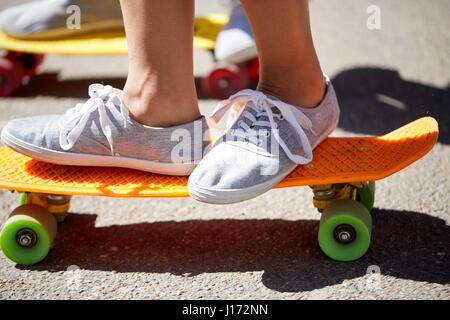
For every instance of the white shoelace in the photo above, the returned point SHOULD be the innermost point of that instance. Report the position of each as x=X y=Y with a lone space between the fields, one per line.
x=263 y=106
x=101 y=97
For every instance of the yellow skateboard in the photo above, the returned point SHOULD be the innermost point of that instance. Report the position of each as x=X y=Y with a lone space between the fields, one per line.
x=341 y=175
x=23 y=57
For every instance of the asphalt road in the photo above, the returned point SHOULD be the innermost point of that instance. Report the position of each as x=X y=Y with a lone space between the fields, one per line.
x=266 y=247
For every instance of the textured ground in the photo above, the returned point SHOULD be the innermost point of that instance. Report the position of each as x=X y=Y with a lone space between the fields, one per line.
x=266 y=247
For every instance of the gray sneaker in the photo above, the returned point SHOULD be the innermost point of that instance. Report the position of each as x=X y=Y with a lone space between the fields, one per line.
x=50 y=19
x=248 y=161
x=100 y=132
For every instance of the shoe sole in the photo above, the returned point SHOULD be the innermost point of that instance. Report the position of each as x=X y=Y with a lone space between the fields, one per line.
x=228 y=196
x=81 y=159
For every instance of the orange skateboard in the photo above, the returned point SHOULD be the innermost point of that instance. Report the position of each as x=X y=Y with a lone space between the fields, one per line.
x=341 y=175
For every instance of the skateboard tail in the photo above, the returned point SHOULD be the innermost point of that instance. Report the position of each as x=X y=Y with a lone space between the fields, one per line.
x=354 y=159
x=418 y=137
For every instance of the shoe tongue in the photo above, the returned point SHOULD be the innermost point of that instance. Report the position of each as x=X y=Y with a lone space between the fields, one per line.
x=113 y=99
x=113 y=102
x=271 y=97
x=263 y=113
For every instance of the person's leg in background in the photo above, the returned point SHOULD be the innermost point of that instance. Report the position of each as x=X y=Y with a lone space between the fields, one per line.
x=160 y=88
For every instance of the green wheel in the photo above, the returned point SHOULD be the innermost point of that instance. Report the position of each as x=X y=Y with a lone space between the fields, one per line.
x=345 y=228
x=28 y=234
x=23 y=198
x=366 y=195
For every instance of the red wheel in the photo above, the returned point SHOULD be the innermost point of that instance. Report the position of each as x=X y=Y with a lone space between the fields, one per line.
x=31 y=61
x=12 y=71
x=253 y=69
x=224 y=81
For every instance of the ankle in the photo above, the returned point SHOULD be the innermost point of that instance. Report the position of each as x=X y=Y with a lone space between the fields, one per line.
x=150 y=105
x=303 y=89
x=157 y=111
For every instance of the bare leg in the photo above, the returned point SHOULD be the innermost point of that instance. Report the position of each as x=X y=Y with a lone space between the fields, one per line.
x=160 y=88
x=289 y=66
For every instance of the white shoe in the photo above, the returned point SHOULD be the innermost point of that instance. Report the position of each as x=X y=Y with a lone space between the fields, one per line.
x=267 y=141
x=235 y=43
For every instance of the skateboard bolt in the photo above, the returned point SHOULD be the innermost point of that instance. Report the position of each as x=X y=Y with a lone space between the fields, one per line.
x=26 y=238
x=224 y=83
x=58 y=199
x=324 y=194
x=344 y=234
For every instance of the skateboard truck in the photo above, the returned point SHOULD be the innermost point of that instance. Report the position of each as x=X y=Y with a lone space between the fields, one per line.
x=340 y=204
x=56 y=204
x=325 y=194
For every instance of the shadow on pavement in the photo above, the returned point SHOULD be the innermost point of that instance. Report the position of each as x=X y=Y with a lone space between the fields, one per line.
x=48 y=84
x=405 y=244
x=373 y=101
x=376 y=101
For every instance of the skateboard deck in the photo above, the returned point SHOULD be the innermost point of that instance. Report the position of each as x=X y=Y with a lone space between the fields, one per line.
x=206 y=29
x=336 y=160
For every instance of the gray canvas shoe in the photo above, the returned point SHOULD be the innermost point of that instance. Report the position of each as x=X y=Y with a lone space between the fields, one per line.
x=100 y=132
x=50 y=19
x=265 y=143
